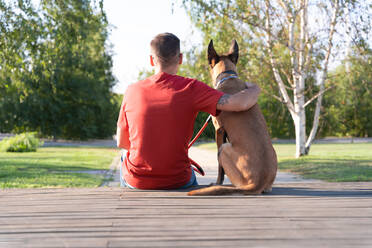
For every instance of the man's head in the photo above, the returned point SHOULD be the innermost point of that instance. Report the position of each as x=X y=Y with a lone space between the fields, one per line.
x=165 y=49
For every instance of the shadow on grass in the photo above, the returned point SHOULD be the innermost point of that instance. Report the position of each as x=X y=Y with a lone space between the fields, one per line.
x=332 y=170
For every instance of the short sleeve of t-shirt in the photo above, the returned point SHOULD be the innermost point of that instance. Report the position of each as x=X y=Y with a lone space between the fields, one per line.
x=122 y=120
x=122 y=124
x=206 y=98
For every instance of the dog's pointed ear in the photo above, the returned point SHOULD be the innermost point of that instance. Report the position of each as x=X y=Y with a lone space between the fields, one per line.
x=234 y=52
x=213 y=57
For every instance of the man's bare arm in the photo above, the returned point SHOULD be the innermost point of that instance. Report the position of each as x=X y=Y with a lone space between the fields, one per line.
x=240 y=101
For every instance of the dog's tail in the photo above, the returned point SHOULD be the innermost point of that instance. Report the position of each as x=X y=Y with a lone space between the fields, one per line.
x=250 y=189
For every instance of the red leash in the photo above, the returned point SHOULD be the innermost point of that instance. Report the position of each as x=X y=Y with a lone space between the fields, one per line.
x=197 y=167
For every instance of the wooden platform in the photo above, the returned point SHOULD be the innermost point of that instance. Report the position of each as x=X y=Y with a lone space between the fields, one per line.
x=293 y=215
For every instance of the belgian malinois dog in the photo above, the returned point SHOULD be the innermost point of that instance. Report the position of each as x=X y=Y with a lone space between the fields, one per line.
x=248 y=158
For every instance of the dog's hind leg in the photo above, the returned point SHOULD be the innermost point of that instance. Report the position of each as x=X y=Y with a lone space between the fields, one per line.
x=221 y=175
x=220 y=139
x=228 y=158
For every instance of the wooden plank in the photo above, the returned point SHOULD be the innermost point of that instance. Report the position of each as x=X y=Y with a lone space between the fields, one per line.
x=93 y=242
x=294 y=215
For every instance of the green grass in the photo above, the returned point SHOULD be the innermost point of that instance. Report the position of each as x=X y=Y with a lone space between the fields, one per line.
x=54 y=167
x=329 y=162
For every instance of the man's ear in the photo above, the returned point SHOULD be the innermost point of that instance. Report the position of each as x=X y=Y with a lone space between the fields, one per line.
x=213 y=57
x=234 y=52
x=152 y=60
x=180 y=59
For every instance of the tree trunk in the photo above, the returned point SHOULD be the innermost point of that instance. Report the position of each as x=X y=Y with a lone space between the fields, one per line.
x=314 y=129
x=300 y=117
x=300 y=130
x=300 y=82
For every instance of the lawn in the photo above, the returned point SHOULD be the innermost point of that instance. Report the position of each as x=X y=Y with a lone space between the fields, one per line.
x=55 y=167
x=329 y=162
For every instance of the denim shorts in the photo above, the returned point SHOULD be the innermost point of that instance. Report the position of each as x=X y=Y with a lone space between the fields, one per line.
x=123 y=183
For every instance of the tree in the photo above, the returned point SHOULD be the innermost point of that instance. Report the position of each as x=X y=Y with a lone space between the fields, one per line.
x=349 y=104
x=297 y=52
x=58 y=79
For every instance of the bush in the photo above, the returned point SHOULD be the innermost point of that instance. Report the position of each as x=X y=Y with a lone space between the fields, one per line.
x=25 y=142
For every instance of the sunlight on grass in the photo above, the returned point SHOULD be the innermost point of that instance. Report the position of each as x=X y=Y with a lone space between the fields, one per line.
x=329 y=162
x=55 y=167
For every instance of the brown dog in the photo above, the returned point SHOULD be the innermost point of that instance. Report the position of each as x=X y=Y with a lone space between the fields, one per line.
x=249 y=159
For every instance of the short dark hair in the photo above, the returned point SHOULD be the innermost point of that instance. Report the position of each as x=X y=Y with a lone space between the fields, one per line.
x=166 y=47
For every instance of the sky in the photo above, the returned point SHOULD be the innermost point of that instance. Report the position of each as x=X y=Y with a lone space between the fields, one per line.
x=135 y=23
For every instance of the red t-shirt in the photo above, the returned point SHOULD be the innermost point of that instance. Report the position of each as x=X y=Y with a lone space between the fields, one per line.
x=157 y=116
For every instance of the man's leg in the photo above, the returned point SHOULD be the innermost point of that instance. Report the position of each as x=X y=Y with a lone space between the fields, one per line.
x=123 y=183
x=192 y=182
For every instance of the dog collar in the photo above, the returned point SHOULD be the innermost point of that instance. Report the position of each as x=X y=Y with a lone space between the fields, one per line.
x=220 y=81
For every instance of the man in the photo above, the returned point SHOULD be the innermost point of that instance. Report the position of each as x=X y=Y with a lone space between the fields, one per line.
x=157 y=117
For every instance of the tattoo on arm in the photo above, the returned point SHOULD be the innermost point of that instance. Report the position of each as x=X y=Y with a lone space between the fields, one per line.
x=224 y=99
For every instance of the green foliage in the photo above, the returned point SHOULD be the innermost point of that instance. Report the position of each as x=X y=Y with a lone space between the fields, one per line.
x=252 y=66
x=55 y=69
x=25 y=142
x=350 y=104
x=245 y=21
x=116 y=101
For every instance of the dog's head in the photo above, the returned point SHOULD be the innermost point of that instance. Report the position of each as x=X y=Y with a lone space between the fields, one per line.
x=221 y=63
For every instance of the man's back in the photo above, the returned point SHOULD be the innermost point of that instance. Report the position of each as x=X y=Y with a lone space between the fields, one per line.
x=159 y=113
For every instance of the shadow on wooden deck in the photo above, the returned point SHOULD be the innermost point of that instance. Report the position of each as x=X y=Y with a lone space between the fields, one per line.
x=293 y=189
x=290 y=191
